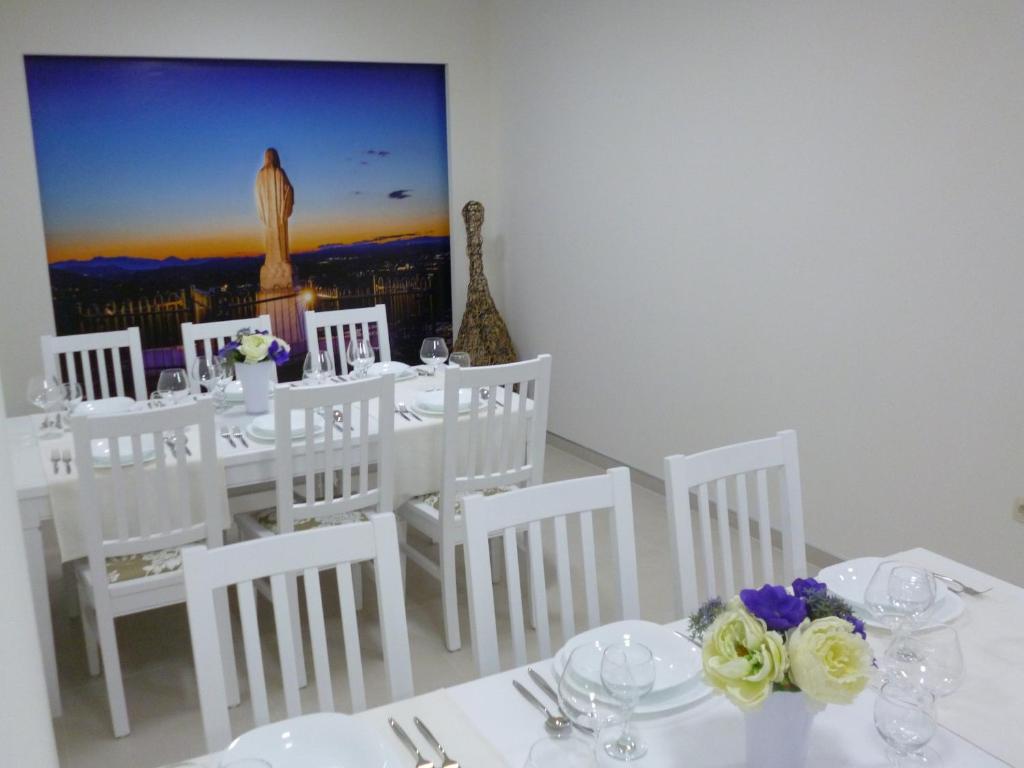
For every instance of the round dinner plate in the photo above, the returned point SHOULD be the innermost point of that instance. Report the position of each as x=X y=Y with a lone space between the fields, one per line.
x=401 y=371
x=262 y=427
x=850 y=579
x=431 y=403
x=322 y=740
x=105 y=406
x=101 y=450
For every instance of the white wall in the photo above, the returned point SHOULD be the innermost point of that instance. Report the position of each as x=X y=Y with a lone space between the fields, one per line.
x=727 y=218
x=452 y=32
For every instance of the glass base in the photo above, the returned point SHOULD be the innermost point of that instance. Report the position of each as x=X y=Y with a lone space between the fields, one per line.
x=620 y=744
x=927 y=757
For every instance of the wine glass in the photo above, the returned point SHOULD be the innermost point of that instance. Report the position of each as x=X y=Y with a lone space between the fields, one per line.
x=581 y=694
x=360 y=355
x=930 y=659
x=553 y=752
x=905 y=719
x=318 y=366
x=204 y=373
x=627 y=671
x=899 y=594
x=71 y=396
x=172 y=384
x=46 y=394
x=433 y=352
x=459 y=359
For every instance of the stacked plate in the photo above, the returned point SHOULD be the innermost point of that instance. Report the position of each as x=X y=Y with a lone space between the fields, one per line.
x=401 y=371
x=101 y=449
x=678 y=677
x=105 y=406
x=262 y=427
x=849 y=580
x=324 y=740
x=431 y=403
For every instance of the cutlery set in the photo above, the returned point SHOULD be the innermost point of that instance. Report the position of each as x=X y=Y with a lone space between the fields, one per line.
x=554 y=723
x=421 y=761
x=57 y=456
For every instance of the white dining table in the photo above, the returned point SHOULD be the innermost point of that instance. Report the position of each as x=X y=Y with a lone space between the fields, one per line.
x=417 y=456
x=486 y=723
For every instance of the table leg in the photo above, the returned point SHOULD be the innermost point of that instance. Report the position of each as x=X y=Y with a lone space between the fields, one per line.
x=44 y=621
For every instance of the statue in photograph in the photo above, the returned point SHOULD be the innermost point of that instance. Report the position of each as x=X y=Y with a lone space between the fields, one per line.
x=274 y=199
x=483 y=333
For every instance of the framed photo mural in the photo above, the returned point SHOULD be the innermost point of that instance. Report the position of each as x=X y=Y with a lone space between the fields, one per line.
x=178 y=190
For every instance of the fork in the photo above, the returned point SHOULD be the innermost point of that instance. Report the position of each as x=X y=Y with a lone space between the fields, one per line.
x=406 y=411
x=962 y=587
x=226 y=434
x=404 y=416
x=55 y=458
x=65 y=456
x=421 y=761
x=446 y=762
x=237 y=432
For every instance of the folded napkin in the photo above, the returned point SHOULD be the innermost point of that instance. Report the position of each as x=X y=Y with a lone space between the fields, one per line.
x=63 y=489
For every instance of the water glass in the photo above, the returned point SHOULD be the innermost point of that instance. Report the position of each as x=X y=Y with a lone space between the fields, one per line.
x=899 y=594
x=46 y=394
x=360 y=355
x=172 y=384
x=318 y=366
x=930 y=659
x=459 y=360
x=582 y=696
x=627 y=672
x=905 y=719
x=433 y=352
x=552 y=752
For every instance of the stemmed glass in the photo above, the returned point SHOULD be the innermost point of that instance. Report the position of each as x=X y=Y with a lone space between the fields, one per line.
x=172 y=384
x=212 y=374
x=360 y=355
x=905 y=719
x=46 y=394
x=581 y=694
x=552 y=752
x=71 y=397
x=627 y=671
x=318 y=367
x=930 y=659
x=900 y=595
x=433 y=352
x=459 y=359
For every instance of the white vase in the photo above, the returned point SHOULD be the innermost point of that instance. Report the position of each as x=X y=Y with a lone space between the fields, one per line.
x=255 y=381
x=779 y=732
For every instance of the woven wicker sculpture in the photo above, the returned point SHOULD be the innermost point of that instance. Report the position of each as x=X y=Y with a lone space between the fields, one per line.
x=483 y=333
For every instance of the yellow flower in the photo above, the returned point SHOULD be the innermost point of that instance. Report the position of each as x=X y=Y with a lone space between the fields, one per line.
x=254 y=347
x=742 y=658
x=828 y=661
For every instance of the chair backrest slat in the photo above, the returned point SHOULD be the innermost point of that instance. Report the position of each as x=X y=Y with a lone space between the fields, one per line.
x=697 y=472
x=59 y=354
x=209 y=338
x=338 y=326
x=529 y=508
x=282 y=557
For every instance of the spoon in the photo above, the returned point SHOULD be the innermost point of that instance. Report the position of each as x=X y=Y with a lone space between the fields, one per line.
x=554 y=723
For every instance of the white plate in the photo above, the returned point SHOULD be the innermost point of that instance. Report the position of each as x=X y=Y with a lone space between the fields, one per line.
x=675 y=660
x=105 y=406
x=432 y=403
x=263 y=426
x=101 y=450
x=401 y=371
x=850 y=579
x=233 y=391
x=322 y=740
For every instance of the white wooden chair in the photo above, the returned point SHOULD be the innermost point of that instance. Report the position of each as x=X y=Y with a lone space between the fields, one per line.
x=91 y=358
x=499 y=444
x=135 y=519
x=743 y=463
x=206 y=339
x=208 y=570
x=503 y=514
x=339 y=479
x=332 y=330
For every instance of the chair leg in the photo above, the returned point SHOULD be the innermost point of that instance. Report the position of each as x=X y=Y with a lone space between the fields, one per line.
x=72 y=603
x=497 y=560
x=112 y=671
x=293 y=604
x=92 y=651
x=403 y=540
x=450 y=599
x=227 y=646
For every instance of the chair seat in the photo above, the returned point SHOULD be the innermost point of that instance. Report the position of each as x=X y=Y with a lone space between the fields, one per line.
x=130 y=567
x=268 y=520
x=433 y=499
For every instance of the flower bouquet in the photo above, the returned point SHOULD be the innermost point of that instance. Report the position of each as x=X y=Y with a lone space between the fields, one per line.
x=254 y=355
x=804 y=644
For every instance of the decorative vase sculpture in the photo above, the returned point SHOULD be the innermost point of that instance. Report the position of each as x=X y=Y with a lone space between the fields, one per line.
x=255 y=380
x=778 y=732
x=483 y=333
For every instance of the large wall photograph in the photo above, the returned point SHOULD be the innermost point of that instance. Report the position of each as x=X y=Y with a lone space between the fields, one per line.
x=179 y=190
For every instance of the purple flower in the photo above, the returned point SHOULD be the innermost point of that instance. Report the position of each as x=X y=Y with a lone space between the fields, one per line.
x=807 y=587
x=779 y=609
x=228 y=348
x=858 y=625
x=277 y=352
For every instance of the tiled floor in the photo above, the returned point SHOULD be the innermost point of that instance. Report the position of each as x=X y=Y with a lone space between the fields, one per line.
x=157 y=662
